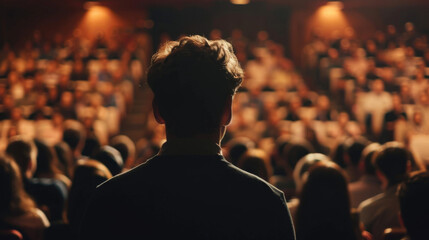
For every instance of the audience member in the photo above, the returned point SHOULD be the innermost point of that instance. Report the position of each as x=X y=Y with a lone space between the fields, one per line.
x=65 y=158
x=391 y=118
x=17 y=209
x=126 y=148
x=413 y=201
x=49 y=194
x=91 y=147
x=201 y=77
x=111 y=158
x=75 y=137
x=377 y=103
x=237 y=147
x=324 y=206
x=352 y=156
x=392 y=163
x=368 y=184
x=47 y=164
x=87 y=176
x=256 y=161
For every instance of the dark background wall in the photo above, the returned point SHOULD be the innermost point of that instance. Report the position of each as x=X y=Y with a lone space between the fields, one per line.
x=288 y=22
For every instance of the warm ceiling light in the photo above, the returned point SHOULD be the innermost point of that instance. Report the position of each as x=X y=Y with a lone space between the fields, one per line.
x=240 y=2
x=337 y=4
x=89 y=4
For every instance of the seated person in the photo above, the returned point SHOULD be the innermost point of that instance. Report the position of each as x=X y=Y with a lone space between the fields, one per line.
x=324 y=208
x=49 y=194
x=368 y=184
x=256 y=161
x=17 y=209
x=413 y=201
x=392 y=163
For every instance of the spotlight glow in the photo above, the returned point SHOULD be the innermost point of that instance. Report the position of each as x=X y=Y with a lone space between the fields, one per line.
x=329 y=18
x=240 y=2
x=98 y=20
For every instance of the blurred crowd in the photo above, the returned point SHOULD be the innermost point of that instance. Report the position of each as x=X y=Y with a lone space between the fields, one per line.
x=62 y=103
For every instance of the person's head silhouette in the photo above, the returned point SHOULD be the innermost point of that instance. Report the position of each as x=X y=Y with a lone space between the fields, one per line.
x=193 y=81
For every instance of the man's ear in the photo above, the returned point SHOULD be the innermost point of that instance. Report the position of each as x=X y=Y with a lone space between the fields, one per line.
x=227 y=113
x=156 y=113
x=382 y=178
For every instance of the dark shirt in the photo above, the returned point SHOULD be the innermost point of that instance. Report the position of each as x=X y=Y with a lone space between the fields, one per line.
x=5 y=115
x=292 y=117
x=48 y=193
x=187 y=197
x=39 y=114
x=79 y=76
x=68 y=113
x=388 y=124
x=372 y=75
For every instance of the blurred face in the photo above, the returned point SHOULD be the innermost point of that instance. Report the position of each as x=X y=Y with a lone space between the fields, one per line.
x=8 y=102
x=371 y=47
x=388 y=75
x=295 y=104
x=409 y=27
x=64 y=80
x=333 y=53
x=343 y=118
x=108 y=89
x=57 y=119
x=378 y=86
x=424 y=99
x=396 y=100
x=30 y=64
x=78 y=66
x=405 y=90
x=323 y=102
x=16 y=114
x=53 y=93
x=67 y=99
x=28 y=85
x=417 y=118
x=391 y=29
x=12 y=78
x=52 y=67
x=409 y=52
x=303 y=91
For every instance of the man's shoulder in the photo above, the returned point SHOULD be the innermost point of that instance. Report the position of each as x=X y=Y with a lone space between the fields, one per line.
x=371 y=203
x=257 y=181
x=198 y=170
x=190 y=194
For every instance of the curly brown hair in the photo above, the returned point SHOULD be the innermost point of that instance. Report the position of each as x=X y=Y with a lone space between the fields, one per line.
x=192 y=80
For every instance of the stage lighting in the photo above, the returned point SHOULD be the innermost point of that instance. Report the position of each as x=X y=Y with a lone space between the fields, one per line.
x=91 y=3
x=240 y=2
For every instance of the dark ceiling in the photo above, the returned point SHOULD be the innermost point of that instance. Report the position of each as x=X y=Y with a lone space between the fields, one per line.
x=185 y=3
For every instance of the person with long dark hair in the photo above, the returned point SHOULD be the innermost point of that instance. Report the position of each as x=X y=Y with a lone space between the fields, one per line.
x=324 y=208
x=17 y=209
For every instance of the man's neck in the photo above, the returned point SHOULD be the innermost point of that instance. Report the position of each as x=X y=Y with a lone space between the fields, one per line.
x=200 y=144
